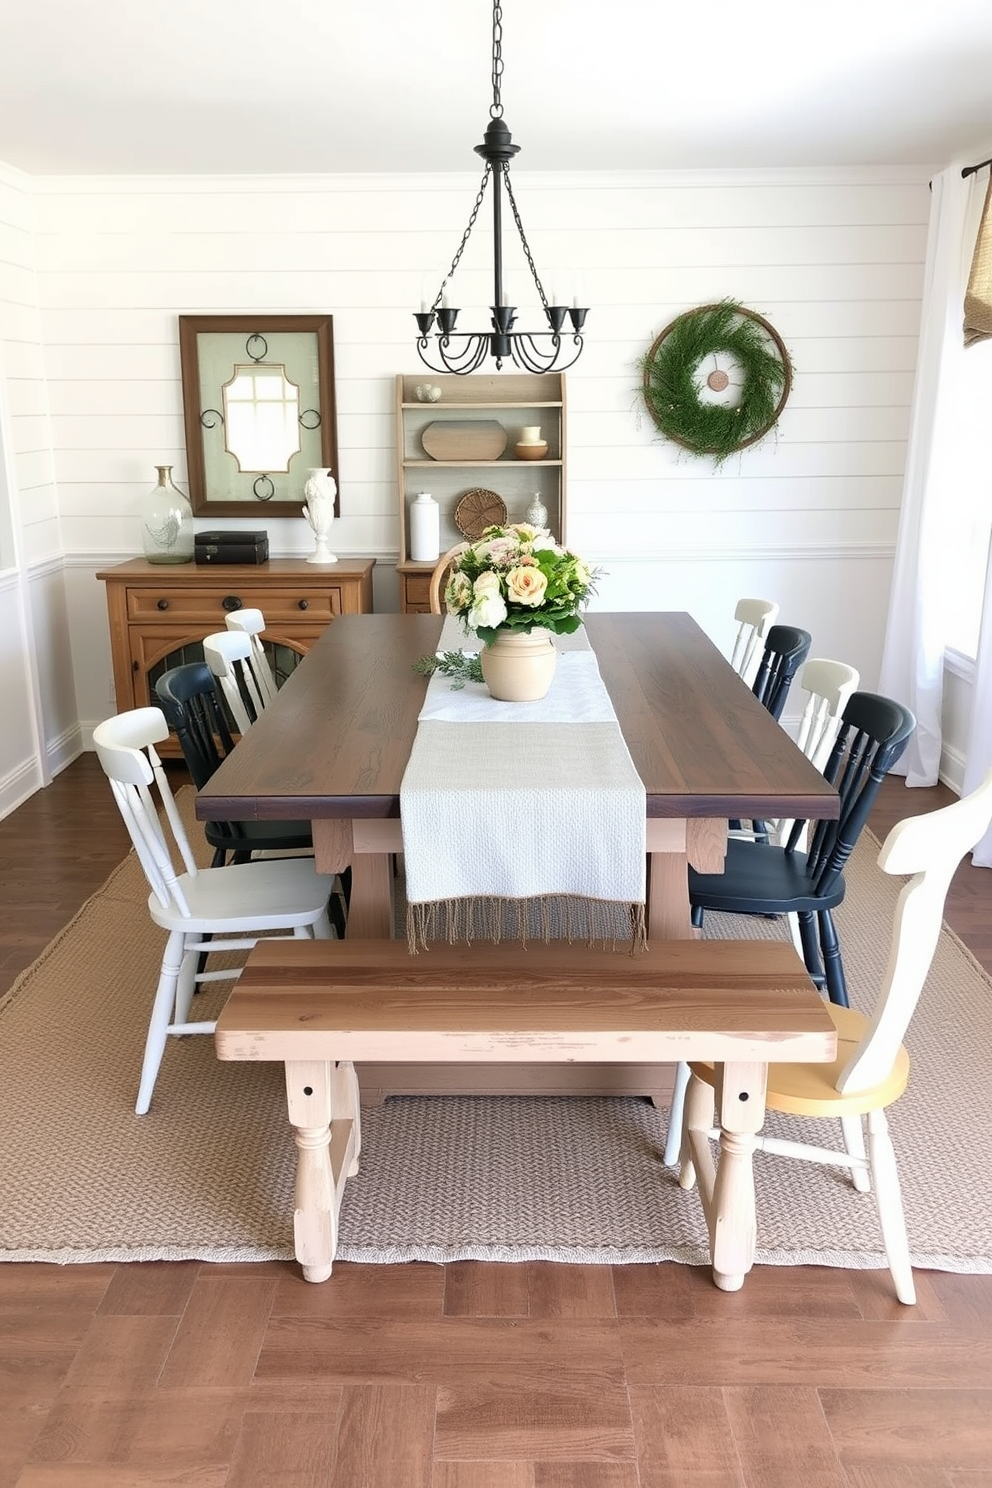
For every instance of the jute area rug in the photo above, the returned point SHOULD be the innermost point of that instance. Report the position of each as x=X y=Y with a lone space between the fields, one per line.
x=208 y=1173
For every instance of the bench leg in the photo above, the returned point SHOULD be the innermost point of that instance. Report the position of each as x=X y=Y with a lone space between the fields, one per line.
x=726 y=1189
x=740 y=1093
x=323 y=1111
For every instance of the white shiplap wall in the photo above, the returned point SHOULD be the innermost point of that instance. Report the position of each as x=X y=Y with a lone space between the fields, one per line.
x=833 y=258
x=39 y=728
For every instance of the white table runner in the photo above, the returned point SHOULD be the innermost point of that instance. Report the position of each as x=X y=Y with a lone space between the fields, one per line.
x=522 y=803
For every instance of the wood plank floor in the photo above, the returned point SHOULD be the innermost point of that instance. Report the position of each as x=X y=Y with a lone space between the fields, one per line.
x=470 y=1375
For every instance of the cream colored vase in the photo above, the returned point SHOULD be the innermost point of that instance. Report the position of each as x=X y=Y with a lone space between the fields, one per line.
x=519 y=665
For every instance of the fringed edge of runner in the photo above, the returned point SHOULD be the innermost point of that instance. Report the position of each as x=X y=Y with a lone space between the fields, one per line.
x=561 y=917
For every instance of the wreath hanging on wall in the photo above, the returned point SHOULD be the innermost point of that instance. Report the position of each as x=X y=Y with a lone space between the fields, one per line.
x=724 y=348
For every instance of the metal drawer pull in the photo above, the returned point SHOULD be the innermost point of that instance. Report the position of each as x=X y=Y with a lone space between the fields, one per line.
x=162 y=604
x=231 y=602
x=303 y=604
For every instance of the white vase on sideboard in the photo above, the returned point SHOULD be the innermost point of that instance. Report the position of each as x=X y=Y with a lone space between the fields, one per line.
x=320 y=492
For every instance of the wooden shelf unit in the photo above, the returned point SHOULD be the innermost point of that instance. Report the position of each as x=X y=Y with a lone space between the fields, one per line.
x=159 y=613
x=514 y=400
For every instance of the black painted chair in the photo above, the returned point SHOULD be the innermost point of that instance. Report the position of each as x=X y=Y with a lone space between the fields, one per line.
x=786 y=648
x=762 y=879
x=188 y=697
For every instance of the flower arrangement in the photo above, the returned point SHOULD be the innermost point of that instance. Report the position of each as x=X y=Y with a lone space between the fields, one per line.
x=518 y=578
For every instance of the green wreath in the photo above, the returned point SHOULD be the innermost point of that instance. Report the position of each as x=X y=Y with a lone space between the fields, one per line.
x=670 y=372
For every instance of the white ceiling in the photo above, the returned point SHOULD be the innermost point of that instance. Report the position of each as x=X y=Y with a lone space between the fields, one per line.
x=260 y=86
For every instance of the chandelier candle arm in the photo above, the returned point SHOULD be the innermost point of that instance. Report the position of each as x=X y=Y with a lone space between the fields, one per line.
x=462 y=352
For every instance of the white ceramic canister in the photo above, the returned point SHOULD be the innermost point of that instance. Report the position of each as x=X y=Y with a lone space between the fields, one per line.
x=425 y=529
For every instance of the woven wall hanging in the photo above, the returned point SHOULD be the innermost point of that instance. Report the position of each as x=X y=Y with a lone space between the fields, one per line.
x=726 y=349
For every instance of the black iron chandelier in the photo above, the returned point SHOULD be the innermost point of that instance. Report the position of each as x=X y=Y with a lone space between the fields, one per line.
x=547 y=350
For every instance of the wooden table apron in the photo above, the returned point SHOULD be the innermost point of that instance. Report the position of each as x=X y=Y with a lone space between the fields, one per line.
x=333 y=747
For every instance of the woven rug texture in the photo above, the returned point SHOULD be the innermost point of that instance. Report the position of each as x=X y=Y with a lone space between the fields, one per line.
x=208 y=1174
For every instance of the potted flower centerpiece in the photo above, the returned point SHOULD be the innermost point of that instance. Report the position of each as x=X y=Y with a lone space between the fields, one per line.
x=515 y=587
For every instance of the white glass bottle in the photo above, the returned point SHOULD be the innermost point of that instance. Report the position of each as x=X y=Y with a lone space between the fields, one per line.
x=166 y=522
x=425 y=529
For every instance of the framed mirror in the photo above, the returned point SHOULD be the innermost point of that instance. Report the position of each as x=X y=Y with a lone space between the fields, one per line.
x=258 y=405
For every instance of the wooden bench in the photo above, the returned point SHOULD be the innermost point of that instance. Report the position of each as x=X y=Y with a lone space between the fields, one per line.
x=319 y=1005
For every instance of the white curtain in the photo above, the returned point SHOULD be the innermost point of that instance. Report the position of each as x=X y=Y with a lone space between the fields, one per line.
x=945 y=450
x=979 y=756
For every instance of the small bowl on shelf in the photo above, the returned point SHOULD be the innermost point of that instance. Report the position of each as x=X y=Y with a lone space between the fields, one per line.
x=531 y=451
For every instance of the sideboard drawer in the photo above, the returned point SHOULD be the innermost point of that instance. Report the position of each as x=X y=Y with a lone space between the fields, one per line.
x=212 y=606
x=415 y=591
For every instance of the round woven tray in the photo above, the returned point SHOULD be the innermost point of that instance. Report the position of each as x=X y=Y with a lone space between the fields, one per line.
x=477 y=510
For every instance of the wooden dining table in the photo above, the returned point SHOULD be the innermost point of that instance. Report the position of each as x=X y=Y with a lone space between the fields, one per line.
x=333 y=747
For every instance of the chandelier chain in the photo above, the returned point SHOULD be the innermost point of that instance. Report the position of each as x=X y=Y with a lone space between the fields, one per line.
x=496 y=107
x=467 y=233
x=523 y=236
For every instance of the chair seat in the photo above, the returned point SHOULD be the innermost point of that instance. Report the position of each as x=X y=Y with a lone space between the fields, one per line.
x=811 y=1089
x=270 y=895
x=761 y=879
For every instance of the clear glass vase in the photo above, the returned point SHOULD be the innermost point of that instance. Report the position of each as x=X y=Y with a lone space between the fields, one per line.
x=166 y=522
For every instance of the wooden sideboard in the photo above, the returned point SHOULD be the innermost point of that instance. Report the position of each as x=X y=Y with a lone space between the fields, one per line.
x=159 y=613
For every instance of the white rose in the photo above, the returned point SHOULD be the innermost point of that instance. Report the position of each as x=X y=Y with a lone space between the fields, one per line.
x=486 y=583
x=488 y=610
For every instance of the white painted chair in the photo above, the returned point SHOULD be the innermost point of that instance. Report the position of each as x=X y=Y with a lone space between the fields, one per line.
x=228 y=654
x=251 y=623
x=203 y=909
x=754 y=617
x=872 y=1066
x=828 y=685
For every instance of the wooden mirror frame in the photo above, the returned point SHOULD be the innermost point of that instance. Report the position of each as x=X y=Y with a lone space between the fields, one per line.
x=196 y=400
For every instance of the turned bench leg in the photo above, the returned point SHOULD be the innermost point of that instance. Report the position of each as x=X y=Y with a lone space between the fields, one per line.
x=324 y=1112
x=726 y=1189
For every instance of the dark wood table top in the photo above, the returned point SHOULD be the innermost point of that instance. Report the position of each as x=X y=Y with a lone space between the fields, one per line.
x=336 y=741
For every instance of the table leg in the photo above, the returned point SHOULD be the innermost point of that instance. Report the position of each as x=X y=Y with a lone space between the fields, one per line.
x=673 y=843
x=371 y=910
x=668 y=913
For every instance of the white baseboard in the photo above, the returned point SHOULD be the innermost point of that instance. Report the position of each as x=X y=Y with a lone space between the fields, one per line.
x=17 y=785
x=952 y=768
x=65 y=748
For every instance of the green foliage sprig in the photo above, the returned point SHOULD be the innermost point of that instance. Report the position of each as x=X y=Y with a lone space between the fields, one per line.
x=463 y=668
x=670 y=371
